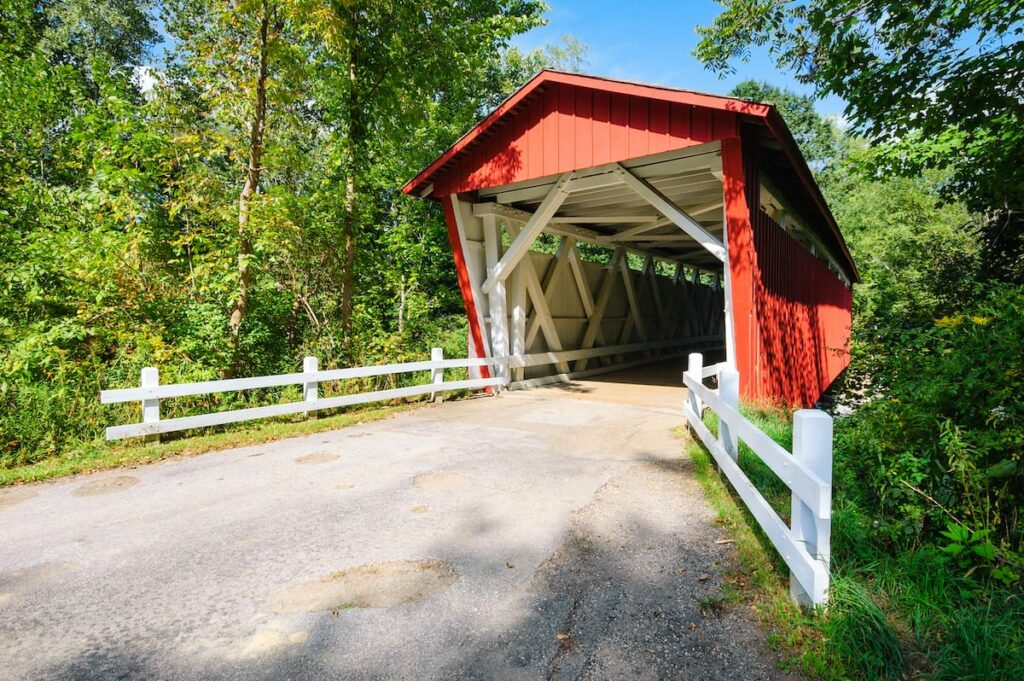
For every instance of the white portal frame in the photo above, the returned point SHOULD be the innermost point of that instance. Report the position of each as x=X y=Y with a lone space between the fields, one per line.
x=513 y=298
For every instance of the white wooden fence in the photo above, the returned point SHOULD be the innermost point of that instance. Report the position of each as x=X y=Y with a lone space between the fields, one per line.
x=805 y=545
x=151 y=392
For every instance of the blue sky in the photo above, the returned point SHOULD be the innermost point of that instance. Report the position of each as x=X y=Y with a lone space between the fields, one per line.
x=651 y=41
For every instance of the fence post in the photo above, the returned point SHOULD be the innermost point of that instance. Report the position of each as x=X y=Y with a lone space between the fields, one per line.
x=150 y=378
x=812 y=446
x=436 y=373
x=694 y=369
x=311 y=389
x=729 y=392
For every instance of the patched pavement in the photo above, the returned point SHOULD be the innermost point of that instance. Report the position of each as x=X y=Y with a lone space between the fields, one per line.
x=521 y=537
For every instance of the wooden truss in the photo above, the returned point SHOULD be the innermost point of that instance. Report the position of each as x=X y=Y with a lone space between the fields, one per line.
x=572 y=313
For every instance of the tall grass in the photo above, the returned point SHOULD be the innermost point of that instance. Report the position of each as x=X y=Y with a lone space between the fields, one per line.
x=893 y=612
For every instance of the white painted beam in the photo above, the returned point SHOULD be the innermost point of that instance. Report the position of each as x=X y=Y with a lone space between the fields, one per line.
x=540 y=304
x=550 y=276
x=603 y=219
x=520 y=246
x=600 y=305
x=470 y=258
x=674 y=213
x=634 y=306
x=652 y=278
x=572 y=231
x=625 y=234
x=496 y=298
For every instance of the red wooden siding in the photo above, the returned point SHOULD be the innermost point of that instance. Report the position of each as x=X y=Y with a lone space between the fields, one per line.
x=791 y=314
x=568 y=127
x=742 y=263
x=803 y=318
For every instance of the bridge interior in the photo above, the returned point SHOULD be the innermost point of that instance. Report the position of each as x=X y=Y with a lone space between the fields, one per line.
x=601 y=270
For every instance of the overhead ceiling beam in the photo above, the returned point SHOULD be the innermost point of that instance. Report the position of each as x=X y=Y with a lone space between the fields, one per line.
x=596 y=178
x=627 y=234
x=520 y=246
x=674 y=213
x=706 y=208
x=604 y=176
x=663 y=238
x=640 y=229
x=575 y=231
x=709 y=160
x=603 y=219
x=616 y=199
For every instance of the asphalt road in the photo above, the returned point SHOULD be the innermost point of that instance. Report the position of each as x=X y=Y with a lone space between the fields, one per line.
x=521 y=537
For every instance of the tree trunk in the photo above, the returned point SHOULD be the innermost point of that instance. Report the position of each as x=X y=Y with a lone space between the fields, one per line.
x=251 y=186
x=401 y=308
x=349 y=259
x=351 y=207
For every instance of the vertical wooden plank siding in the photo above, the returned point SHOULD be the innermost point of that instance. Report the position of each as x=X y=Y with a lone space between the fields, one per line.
x=465 y=287
x=791 y=313
x=549 y=131
x=658 y=139
x=803 y=313
x=584 y=128
x=638 y=130
x=567 y=127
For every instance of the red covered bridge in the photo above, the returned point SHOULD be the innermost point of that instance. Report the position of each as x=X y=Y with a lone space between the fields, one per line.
x=598 y=224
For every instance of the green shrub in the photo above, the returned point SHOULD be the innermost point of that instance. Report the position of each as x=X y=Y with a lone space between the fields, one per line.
x=940 y=438
x=985 y=641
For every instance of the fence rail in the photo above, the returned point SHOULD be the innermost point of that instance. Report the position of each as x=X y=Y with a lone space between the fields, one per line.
x=150 y=392
x=805 y=545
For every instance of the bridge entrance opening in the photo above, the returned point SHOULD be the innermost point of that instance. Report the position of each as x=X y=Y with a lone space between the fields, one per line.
x=599 y=270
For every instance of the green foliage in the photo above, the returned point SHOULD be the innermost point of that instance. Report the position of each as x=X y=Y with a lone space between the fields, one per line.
x=936 y=82
x=940 y=435
x=860 y=633
x=120 y=238
x=919 y=256
x=819 y=138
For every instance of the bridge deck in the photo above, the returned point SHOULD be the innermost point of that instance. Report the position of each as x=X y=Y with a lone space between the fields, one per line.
x=658 y=386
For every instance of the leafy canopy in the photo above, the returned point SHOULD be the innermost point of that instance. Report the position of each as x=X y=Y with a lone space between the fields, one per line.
x=940 y=82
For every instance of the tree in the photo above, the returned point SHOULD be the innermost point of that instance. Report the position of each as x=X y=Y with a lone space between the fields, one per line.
x=243 y=213
x=401 y=58
x=74 y=185
x=247 y=65
x=939 y=81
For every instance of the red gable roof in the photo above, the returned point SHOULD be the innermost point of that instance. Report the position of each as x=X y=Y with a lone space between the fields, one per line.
x=560 y=121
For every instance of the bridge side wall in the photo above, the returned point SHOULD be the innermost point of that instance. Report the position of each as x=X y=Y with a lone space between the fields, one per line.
x=804 y=315
x=791 y=313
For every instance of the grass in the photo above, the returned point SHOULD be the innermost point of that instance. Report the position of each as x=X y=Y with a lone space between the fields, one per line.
x=893 y=613
x=760 y=579
x=96 y=456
